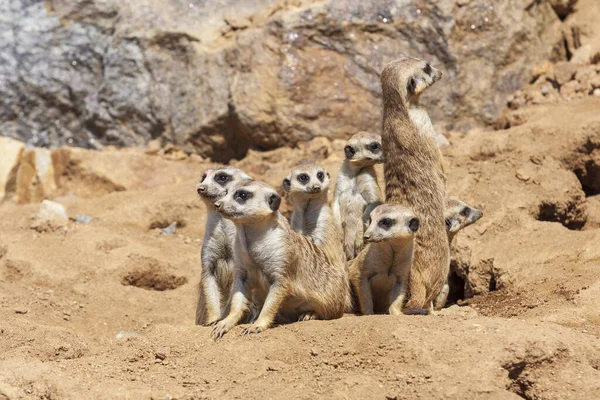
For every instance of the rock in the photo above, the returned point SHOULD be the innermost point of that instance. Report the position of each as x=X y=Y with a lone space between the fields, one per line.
x=563 y=7
x=160 y=354
x=169 y=230
x=51 y=215
x=564 y=72
x=10 y=156
x=102 y=73
x=123 y=335
x=36 y=178
x=83 y=219
x=21 y=310
x=153 y=147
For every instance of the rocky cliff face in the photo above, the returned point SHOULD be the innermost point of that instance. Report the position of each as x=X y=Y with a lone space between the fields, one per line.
x=220 y=77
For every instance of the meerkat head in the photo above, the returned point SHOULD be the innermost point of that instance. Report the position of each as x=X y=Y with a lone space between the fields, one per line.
x=364 y=149
x=408 y=77
x=459 y=215
x=250 y=201
x=391 y=222
x=307 y=180
x=216 y=181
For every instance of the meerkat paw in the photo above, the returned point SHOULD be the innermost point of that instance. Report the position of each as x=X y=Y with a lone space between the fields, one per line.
x=221 y=328
x=211 y=323
x=254 y=328
x=395 y=311
x=308 y=316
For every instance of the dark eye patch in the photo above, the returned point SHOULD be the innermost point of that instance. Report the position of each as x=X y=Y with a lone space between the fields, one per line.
x=385 y=223
x=303 y=178
x=465 y=212
x=374 y=147
x=349 y=151
x=427 y=69
x=241 y=196
x=320 y=176
x=222 y=178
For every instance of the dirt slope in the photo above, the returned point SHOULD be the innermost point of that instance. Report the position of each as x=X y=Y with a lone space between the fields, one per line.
x=74 y=325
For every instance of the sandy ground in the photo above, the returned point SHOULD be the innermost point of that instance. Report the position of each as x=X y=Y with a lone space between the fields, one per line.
x=73 y=323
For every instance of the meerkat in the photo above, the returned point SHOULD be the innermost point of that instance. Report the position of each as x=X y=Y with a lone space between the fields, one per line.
x=458 y=215
x=276 y=268
x=307 y=187
x=380 y=272
x=414 y=178
x=217 y=249
x=357 y=192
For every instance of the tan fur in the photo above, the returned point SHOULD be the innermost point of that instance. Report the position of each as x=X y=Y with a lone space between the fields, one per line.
x=458 y=215
x=217 y=249
x=276 y=268
x=357 y=192
x=379 y=274
x=414 y=177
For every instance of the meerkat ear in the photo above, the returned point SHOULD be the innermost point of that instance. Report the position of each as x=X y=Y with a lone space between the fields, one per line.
x=274 y=202
x=287 y=184
x=411 y=86
x=328 y=176
x=452 y=225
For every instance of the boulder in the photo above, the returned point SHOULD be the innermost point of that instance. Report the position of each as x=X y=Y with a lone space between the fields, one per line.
x=219 y=79
x=10 y=156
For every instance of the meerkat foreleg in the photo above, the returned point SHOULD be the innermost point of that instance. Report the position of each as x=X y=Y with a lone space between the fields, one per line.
x=238 y=305
x=365 y=296
x=275 y=297
x=210 y=298
x=440 y=301
x=397 y=298
x=418 y=295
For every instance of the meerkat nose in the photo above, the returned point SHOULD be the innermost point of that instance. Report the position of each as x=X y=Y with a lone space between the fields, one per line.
x=316 y=187
x=201 y=189
x=218 y=205
x=366 y=237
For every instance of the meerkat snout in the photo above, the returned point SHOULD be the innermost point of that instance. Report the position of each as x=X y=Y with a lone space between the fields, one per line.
x=218 y=205
x=201 y=189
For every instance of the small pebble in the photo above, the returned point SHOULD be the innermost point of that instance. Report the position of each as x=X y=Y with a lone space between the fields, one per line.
x=160 y=354
x=20 y=310
x=83 y=219
x=169 y=230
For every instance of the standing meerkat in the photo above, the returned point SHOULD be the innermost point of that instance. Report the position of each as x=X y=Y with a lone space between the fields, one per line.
x=307 y=187
x=458 y=215
x=217 y=249
x=380 y=272
x=357 y=192
x=276 y=268
x=413 y=176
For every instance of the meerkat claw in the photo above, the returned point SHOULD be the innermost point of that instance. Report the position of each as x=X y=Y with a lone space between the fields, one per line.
x=252 y=329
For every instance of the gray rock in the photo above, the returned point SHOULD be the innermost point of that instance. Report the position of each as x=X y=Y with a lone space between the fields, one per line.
x=83 y=219
x=169 y=230
x=218 y=79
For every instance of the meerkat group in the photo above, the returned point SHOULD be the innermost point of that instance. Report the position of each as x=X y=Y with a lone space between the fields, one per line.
x=391 y=255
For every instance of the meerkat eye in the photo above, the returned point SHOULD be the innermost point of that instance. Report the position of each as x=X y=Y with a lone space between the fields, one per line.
x=203 y=178
x=385 y=223
x=349 y=151
x=427 y=69
x=303 y=178
x=465 y=212
x=320 y=176
x=374 y=147
x=222 y=178
x=241 y=196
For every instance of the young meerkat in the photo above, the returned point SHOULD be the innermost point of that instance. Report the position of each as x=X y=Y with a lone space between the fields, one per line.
x=307 y=187
x=276 y=268
x=380 y=272
x=414 y=177
x=357 y=192
x=217 y=249
x=458 y=215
